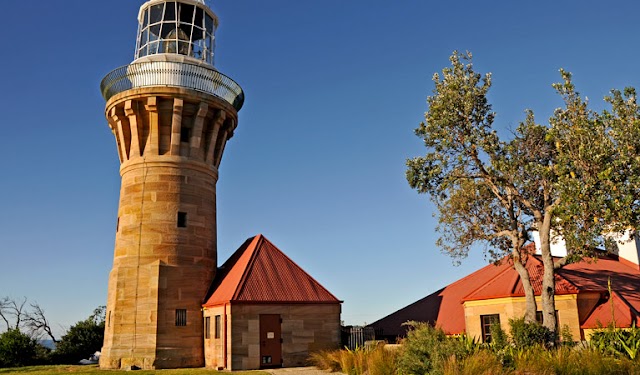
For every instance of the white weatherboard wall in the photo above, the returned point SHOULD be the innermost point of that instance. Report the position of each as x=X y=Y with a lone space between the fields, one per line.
x=627 y=246
x=558 y=246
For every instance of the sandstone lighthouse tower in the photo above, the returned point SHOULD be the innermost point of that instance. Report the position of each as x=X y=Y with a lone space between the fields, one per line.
x=171 y=113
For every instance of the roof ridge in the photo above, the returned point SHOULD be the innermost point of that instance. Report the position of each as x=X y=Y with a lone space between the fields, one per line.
x=257 y=239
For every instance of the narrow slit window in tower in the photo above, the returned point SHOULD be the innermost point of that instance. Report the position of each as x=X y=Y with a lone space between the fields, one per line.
x=182 y=219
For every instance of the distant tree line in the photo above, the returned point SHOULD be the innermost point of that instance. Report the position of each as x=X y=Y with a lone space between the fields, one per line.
x=27 y=325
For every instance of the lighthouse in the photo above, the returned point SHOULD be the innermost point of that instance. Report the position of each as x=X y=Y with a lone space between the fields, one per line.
x=171 y=113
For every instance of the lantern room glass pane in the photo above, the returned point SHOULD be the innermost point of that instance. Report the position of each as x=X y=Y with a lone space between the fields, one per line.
x=208 y=23
x=186 y=13
x=145 y=18
x=170 y=11
x=198 y=20
x=153 y=48
x=198 y=33
x=156 y=13
x=155 y=30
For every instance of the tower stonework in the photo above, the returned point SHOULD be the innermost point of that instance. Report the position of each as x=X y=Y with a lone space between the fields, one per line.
x=171 y=113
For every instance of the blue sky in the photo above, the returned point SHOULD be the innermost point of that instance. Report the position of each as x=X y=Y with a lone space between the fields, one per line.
x=334 y=89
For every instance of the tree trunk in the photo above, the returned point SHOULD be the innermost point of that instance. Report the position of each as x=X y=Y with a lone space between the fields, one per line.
x=548 y=278
x=529 y=295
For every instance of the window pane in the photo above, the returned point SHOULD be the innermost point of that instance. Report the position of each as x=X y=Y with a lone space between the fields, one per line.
x=153 y=48
x=198 y=50
x=156 y=13
x=218 y=327
x=155 y=29
x=207 y=327
x=208 y=21
x=199 y=18
x=198 y=34
x=186 y=13
x=143 y=37
x=170 y=11
x=167 y=28
x=145 y=18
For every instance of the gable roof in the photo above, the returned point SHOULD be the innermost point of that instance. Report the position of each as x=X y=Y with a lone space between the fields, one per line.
x=444 y=308
x=258 y=272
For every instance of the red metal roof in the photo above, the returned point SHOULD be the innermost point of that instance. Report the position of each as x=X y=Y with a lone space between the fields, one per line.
x=444 y=307
x=509 y=284
x=258 y=272
x=623 y=314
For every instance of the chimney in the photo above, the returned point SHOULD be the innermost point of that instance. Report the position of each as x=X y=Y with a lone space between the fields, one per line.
x=558 y=246
x=627 y=247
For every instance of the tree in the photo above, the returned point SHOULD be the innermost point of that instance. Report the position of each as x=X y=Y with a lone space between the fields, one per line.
x=11 y=309
x=37 y=322
x=575 y=178
x=17 y=349
x=83 y=339
x=469 y=172
x=33 y=320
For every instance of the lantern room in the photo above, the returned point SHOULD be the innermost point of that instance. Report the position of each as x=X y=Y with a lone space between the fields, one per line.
x=185 y=27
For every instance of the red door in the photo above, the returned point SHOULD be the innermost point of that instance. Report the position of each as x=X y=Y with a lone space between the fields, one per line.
x=270 y=341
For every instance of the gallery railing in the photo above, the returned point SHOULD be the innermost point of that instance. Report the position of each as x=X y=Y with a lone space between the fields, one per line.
x=172 y=74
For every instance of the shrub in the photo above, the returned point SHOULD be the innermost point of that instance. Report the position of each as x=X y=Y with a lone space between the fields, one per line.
x=375 y=360
x=499 y=338
x=17 y=349
x=526 y=335
x=566 y=336
x=617 y=342
x=83 y=339
x=427 y=349
x=568 y=361
x=482 y=362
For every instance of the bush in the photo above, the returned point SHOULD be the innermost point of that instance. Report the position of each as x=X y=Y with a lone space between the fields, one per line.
x=371 y=361
x=526 y=335
x=17 y=349
x=617 y=342
x=482 y=362
x=82 y=340
x=427 y=349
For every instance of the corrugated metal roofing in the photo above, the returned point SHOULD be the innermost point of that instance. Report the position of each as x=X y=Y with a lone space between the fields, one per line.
x=444 y=308
x=509 y=284
x=258 y=272
x=623 y=313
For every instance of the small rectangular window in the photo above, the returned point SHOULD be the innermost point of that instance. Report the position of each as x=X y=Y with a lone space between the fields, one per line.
x=118 y=224
x=182 y=219
x=486 y=321
x=185 y=134
x=218 y=327
x=181 y=317
x=207 y=327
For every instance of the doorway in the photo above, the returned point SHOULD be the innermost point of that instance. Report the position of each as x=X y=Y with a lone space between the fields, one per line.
x=270 y=341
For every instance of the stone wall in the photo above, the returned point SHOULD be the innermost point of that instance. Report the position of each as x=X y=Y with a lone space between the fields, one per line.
x=305 y=328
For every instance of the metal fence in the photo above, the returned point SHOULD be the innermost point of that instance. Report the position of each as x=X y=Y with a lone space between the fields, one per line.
x=355 y=336
x=173 y=74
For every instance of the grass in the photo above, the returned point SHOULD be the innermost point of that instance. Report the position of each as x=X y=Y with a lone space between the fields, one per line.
x=94 y=370
x=483 y=361
x=375 y=360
